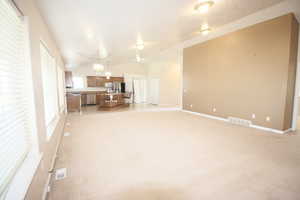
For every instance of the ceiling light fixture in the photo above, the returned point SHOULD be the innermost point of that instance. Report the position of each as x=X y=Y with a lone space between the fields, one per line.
x=98 y=67
x=203 y=7
x=138 y=58
x=205 y=29
x=140 y=46
x=108 y=75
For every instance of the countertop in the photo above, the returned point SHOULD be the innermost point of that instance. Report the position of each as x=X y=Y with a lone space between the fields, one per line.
x=86 y=90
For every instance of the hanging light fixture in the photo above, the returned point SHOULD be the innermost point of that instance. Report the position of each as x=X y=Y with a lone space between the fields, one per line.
x=203 y=6
x=98 y=67
x=138 y=58
x=108 y=75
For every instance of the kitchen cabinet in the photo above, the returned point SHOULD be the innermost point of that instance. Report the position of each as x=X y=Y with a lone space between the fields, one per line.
x=73 y=102
x=100 y=81
x=91 y=81
x=117 y=79
x=83 y=99
x=68 y=79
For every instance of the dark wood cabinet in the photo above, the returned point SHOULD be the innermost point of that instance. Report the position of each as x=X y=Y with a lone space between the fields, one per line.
x=91 y=81
x=73 y=102
x=116 y=79
x=83 y=99
x=99 y=81
x=68 y=79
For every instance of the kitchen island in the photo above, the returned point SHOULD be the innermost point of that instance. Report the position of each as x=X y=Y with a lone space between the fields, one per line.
x=104 y=100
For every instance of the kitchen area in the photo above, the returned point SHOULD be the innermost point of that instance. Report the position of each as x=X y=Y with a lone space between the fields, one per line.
x=99 y=92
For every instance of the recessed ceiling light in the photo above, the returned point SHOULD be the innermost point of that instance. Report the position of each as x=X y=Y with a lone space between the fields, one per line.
x=203 y=7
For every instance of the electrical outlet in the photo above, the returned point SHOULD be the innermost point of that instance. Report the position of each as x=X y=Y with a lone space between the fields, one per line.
x=268 y=119
x=214 y=110
x=191 y=105
x=68 y=124
x=253 y=116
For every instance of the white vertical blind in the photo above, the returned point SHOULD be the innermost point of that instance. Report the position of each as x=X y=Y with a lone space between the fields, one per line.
x=61 y=88
x=14 y=100
x=49 y=76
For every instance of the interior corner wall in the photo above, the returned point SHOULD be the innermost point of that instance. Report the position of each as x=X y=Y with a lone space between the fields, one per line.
x=38 y=30
x=292 y=70
x=167 y=68
x=243 y=73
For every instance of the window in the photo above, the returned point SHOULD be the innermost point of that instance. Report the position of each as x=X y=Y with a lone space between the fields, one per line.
x=61 y=86
x=49 y=75
x=78 y=82
x=16 y=102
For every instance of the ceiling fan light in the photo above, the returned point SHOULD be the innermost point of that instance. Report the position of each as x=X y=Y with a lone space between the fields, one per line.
x=204 y=6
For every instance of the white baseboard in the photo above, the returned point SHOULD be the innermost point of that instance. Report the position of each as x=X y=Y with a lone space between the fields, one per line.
x=226 y=120
x=206 y=115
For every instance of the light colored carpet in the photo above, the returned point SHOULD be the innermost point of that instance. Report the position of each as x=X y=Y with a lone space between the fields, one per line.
x=174 y=156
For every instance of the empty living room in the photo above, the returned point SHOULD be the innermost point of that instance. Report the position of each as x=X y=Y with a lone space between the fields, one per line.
x=149 y=100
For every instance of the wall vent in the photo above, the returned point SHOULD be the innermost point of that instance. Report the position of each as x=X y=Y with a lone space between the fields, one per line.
x=60 y=174
x=238 y=121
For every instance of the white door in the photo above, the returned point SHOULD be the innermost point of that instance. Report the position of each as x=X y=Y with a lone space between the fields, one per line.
x=153 y=97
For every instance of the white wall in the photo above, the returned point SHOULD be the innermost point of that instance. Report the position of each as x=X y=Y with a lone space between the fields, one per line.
x=167 y=68
x=116 y=70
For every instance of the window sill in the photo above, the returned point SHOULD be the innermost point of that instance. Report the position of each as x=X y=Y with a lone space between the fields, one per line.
x=22 y=180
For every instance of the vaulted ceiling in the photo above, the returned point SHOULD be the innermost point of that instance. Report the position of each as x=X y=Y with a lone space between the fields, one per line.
x=83 y=27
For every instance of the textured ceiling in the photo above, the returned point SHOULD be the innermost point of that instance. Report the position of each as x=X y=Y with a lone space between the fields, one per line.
x=82 y=27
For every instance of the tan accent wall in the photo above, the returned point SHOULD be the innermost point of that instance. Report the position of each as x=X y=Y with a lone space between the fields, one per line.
x=250 y=71
x=38 y=30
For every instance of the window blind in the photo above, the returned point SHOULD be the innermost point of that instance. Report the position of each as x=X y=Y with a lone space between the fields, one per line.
x=49 y=76
x=61 y=86
x=14 y=101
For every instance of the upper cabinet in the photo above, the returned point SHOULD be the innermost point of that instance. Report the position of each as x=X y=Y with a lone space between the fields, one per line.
x=68 y=79
x=116 y=79
x=91 y=81
x=99 y=81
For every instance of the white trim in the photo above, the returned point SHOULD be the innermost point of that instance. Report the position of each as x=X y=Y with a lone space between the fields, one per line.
x=297 y=88
x=52 y=126
x=163 y=109
x=54 y=158
x=46 y=187
x=226 y=120
x=21 y=182
x=206 y=115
